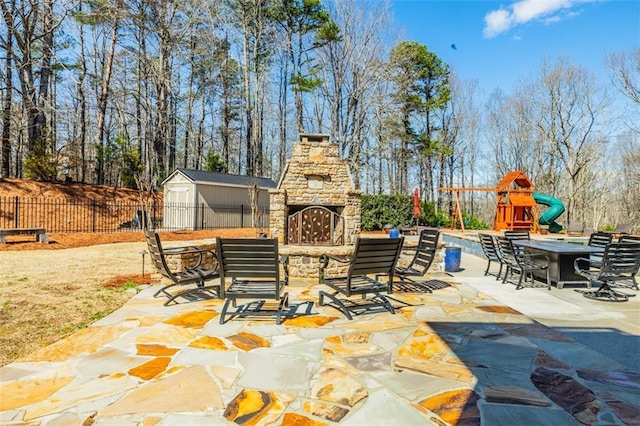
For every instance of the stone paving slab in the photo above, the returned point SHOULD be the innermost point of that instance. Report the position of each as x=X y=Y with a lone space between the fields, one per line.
x=457 y=356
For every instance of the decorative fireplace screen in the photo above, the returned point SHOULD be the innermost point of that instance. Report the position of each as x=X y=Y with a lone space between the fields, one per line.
x=315 y=225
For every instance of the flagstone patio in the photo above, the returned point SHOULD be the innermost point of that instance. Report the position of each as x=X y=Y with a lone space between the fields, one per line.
x=458 y=356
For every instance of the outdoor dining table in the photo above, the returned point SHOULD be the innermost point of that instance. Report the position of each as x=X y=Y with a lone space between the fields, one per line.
x=561 y=258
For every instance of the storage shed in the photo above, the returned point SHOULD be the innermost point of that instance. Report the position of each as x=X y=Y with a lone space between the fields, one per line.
x=195 y=199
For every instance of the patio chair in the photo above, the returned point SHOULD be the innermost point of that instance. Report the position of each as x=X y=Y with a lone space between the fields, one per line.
x=575 y=228
x=492 y=253
x=522 y=263
x=620 y=262
x=423 y=257
x=202 y=267
x=517 y=235
x=371 y=256
x=253 y=267
x=622 y=229
x=635 y=240
x=600 y=240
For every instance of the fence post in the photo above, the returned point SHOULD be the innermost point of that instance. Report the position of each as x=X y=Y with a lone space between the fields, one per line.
x=16 y=211
x=153 y=214
x=93 y=215
x=241 y=215
x=201 y=215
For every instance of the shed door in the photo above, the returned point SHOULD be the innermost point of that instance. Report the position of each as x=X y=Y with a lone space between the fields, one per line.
x=178 y=210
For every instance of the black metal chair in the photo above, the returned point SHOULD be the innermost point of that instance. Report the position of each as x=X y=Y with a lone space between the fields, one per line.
x=253 y=266
x=522 y=263
x=371 y=256
x=517 y=234
x=636 y=240
x=492 y=254
x=201 y=267
x=620 y=262
x=600 y=239
x=507 y=256
x=423 y=257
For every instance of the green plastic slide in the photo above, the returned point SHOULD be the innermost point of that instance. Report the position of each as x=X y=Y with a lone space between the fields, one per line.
x=555 y=208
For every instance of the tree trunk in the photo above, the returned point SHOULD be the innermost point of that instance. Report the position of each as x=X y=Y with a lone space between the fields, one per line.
x=282 y=117
x=104 y=95
x=5 y=169
x=83 y=107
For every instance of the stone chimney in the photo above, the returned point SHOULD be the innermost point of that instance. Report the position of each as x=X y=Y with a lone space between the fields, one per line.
x=316 y=202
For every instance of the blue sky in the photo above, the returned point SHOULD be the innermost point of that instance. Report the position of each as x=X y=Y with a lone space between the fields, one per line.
x=499 y=43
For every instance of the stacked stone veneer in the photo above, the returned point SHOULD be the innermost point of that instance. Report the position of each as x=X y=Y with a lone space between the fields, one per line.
x=315 y=175
x=304 y=260
x=180 y=261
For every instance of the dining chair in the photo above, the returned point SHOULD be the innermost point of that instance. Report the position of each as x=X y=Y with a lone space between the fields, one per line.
x=491 y=252
x=600 y=239
x=523 y=263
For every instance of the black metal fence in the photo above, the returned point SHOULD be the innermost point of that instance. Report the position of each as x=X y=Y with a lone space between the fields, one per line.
x=72 y=215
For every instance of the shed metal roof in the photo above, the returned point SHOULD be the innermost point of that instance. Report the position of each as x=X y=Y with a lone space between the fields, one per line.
x=200 y=176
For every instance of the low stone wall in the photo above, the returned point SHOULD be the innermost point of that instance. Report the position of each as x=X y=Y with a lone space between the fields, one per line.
x=304 y=260
x=178 y=262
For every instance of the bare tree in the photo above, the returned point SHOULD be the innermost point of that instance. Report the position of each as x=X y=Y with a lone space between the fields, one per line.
x=625 y=70
x=567 y=108
x=306 y=25
x=459 y=136
x=104 y=90
x=250 y=19
x=254 y=193
x=352 y=70
x=513 y=144
x=31 y=25
x=6 y=41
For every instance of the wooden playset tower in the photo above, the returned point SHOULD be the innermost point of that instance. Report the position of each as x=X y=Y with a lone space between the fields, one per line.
x=516 y=209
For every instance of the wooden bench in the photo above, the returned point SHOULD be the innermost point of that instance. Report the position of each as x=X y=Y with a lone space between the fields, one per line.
x=40 y=233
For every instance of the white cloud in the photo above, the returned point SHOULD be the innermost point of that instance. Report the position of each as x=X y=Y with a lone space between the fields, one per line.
x=526 y=10
x=523 y=11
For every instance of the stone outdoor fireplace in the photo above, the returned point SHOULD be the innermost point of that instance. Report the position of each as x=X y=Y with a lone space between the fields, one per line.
x=315 y=203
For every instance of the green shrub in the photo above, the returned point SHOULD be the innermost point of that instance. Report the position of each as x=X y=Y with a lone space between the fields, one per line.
x=397 y=210
x=133 y=167
x=473 y=222
x=41 y=166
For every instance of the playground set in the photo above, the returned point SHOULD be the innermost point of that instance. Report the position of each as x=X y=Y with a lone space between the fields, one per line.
x=517 y=205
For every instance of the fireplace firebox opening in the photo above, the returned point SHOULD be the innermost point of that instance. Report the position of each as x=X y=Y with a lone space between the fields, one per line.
x=315 y=225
